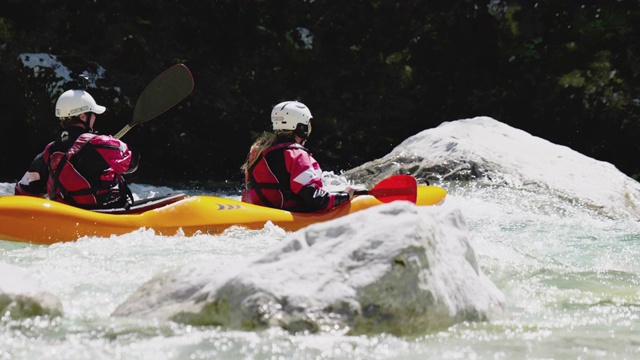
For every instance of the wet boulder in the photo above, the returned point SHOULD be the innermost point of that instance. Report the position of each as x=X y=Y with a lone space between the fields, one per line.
x=395 y=268
x=495 y=154
x=21 y=296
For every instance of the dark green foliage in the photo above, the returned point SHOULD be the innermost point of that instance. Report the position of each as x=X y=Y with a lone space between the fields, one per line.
x=375 y=73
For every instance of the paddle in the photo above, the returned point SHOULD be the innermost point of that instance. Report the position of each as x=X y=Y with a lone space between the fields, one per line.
x=396 y=187
x=162 y=93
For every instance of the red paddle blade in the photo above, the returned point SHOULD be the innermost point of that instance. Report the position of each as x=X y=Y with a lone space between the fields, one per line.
x=396 y=187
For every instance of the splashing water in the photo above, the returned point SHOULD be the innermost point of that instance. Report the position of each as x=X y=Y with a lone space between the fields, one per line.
x=570 y=277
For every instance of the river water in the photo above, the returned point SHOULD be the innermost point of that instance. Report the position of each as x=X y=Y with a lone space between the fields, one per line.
x=570 y=278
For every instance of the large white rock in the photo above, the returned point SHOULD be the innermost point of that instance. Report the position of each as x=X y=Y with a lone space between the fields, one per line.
x=394 y=268
x=22 y=296
x=486 y=149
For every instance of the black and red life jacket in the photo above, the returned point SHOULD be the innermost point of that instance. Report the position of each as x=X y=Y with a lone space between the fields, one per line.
x=271 y=184
x=85 y=169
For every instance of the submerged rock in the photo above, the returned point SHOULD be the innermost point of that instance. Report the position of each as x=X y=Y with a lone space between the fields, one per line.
x=21 y=296
x=395 y=268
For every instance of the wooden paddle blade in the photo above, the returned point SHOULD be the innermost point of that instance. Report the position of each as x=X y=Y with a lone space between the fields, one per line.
x=163 y=93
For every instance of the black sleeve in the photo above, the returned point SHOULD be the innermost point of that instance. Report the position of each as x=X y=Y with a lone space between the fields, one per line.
x=38 y=187
x=38 y=165
x=341 y=197
x=135 y=160
x=318 y=199
x=314 y=198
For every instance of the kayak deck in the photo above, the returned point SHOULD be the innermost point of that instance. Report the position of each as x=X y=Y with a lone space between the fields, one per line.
x=141 y=206
x=41 y=221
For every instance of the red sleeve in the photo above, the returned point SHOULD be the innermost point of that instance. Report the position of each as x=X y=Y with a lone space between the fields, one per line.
x=306 y=181
x=115 y=152
x=304 y=169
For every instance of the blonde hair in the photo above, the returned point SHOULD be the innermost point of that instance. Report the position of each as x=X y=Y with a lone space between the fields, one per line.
x=262 y=143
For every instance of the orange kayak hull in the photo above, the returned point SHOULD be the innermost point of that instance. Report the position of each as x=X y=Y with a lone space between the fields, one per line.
x=41 y=221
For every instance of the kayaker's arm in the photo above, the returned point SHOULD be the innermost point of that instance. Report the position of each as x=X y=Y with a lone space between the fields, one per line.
x=318 y=199
x=341 y=197
x=34 y=181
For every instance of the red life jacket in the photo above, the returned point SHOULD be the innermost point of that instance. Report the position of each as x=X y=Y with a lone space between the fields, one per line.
x=89 y=173
x=278 y=175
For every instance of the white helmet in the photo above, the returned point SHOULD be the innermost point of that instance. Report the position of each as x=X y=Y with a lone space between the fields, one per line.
x=76 y=102
x=287 y=115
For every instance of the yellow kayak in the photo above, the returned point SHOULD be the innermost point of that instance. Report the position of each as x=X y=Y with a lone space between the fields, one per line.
x=40 y=221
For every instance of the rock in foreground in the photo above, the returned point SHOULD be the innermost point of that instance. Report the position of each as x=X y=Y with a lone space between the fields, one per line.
x=21 y=296
x=395 y=268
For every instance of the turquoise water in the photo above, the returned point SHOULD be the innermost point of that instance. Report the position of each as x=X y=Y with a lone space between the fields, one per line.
x=570 y=277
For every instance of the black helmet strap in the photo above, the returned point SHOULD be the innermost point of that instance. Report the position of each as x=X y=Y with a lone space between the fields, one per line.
x=302 y=130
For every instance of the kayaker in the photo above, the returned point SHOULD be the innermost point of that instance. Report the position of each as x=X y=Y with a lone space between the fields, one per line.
x=80 y=168
x=281 y=173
